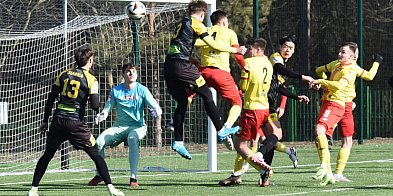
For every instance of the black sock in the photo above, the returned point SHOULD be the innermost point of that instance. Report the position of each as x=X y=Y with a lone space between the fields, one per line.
x=42 y=165
x=269 y=157
x=100 y=163
x=268 y=144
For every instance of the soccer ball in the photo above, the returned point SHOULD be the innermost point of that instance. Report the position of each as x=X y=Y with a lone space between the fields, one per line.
x=135 y=10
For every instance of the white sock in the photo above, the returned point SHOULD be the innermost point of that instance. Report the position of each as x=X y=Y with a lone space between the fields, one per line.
x=34 y=188
x=222 y=129
x=110 y=186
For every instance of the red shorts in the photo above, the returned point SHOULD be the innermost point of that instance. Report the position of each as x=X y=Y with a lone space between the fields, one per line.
x=346 y=125
x=223 y=82
x=330 y=114
x=250 y=123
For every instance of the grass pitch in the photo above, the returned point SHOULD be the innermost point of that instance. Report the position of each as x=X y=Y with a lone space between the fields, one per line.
x=370 y=166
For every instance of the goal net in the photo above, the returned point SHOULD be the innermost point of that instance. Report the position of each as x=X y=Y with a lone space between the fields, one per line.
x=36 y=48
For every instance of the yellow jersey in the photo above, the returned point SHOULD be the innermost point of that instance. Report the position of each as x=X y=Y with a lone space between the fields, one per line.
x=341 y=84
x=360 y=73
x=256 y=83
x=216 y=58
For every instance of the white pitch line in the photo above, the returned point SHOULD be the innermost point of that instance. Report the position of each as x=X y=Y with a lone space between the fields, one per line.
x=79 y=179
x=332 y=190
x=309 y=165
x=167 y=174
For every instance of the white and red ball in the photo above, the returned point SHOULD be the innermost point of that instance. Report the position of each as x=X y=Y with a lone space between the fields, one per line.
x=135 y=10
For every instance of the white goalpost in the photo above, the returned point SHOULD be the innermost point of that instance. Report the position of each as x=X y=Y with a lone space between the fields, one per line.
x=30 y=59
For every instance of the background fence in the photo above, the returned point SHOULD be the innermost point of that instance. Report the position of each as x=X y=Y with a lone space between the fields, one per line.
x=32 y=54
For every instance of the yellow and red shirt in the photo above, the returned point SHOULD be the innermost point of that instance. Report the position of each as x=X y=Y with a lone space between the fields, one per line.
x=256 y=83
x=211 y=57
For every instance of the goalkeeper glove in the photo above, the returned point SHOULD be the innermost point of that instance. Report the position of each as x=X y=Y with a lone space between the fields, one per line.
x=377 y=58
x=101 y=117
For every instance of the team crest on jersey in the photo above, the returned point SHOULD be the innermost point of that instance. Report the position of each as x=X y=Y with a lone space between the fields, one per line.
x=129 y=97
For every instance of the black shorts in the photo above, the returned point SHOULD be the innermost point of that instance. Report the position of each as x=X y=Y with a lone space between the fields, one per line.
x=75 y=131
x=180 y=72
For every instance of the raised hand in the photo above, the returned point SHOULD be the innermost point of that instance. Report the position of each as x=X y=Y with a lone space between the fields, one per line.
x=303 y=99
x=242 y=50
x=378 y=58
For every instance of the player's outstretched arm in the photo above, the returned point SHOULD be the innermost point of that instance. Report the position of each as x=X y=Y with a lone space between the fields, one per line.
x=369 y=75
x=321 y=72
x=212 y=43
x=289 y=73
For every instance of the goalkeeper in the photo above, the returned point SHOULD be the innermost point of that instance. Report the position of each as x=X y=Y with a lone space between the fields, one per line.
x=129 y=98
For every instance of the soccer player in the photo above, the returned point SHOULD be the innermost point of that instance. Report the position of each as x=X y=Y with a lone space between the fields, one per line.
x=273 y=132
x=215 y=67
x=346 y=125
x=255 y=83
x=180 y=75
x=129 y=98
x=75 y=86
x=343 y=76
x=273 y=126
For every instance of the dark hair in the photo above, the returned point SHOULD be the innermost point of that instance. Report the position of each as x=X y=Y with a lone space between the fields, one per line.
x=352 y=45
x=126 y=66
x=217 y=16
x=290 y=38
x=197 y=6
x=259 y=43
x=82 y=55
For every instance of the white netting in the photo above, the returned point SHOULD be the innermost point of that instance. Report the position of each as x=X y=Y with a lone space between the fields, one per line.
x=31 y=59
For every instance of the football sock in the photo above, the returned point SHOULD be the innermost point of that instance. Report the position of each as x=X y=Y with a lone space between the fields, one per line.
x=238 y=165
x=233 y=114
x=342 y=158
x=254 y=165
x=42 y=165
x=269 y=157
x=268 y=144
x=280 y=147
x=133 y=153
x=214 y=115
x=100 y=163
x=239 y=161
x=322 y=145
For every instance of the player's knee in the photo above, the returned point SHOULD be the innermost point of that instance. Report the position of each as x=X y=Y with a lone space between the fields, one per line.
x=100 y=143
x=133 y=139
x=320 y=129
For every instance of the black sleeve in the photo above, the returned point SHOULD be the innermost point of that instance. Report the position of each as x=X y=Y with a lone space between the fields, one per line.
x=284 y=91
x=286 y=72
x=50 y=101
x=95 y=102
x=201 y=36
